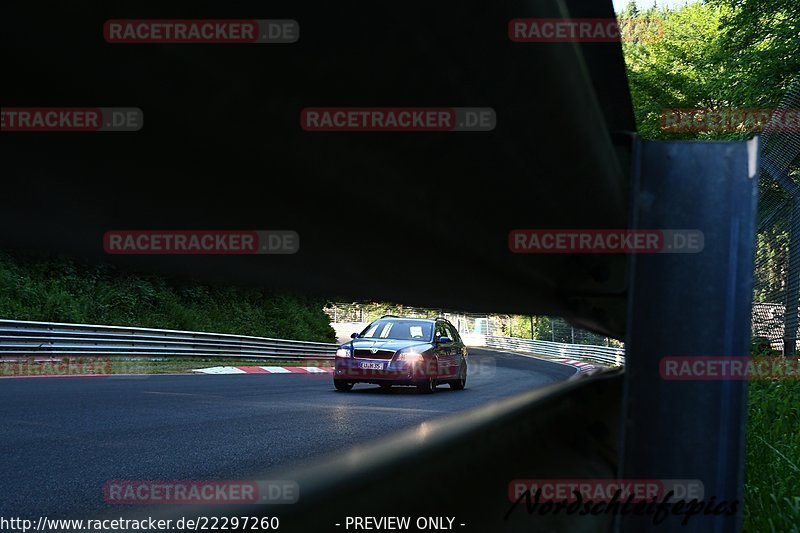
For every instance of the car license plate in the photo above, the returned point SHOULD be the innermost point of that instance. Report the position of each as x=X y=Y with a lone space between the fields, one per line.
x=371 y=366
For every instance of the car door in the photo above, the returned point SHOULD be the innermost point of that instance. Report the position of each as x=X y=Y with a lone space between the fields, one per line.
x=449 y=361
x=442 y=351
x=458 y=350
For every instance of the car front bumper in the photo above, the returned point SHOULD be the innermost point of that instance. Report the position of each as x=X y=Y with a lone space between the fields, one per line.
x=390 y=372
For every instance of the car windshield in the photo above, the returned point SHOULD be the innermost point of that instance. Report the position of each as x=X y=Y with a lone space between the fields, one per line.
x=404 y=330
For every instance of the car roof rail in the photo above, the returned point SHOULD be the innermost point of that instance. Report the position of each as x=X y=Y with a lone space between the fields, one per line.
x=408 y=317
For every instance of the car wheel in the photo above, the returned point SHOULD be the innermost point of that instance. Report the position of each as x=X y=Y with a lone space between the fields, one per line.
x=461 y=382
x=427 y=386
x=342 y=385
x=386 y=386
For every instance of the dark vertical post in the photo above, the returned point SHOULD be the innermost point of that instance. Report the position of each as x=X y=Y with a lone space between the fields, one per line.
x=689 y=304
x=790 y=317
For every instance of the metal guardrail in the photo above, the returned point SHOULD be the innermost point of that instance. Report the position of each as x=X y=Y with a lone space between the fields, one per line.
x=19 y=337
x=600 y=354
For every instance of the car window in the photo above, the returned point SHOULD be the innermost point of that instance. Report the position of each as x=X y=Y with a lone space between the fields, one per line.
x=416 y=331
x=453 y=334
x=386 y=329
x=370 y=332
x=398 y=330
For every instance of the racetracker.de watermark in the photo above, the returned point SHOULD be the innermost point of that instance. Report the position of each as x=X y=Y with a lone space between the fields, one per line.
x=70 y=119
x=584 y=30
x=702 y=368
x=657 y=498
x=604 y=241
x=200 y=492
x=730 y=120
x=388 y=119
x=605 y=490
x=201 y=242
x=41 y=366
x=197 y=31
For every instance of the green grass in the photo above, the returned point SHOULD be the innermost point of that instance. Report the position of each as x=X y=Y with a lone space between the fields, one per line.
x=772 y=465
x=62 y=290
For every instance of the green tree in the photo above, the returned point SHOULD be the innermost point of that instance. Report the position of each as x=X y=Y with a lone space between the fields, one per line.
x=717 y=54
x=630 y=11
x=760 y=49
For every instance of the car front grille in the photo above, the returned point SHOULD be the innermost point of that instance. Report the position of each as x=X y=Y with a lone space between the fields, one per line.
x=367 y=354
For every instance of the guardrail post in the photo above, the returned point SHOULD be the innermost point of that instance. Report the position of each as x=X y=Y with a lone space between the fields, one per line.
x=690 y=304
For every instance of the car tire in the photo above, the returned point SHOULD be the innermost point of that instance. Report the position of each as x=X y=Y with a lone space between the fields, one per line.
x=461 y=382
x=427 y=386
x=385 y=386
x=341 y=385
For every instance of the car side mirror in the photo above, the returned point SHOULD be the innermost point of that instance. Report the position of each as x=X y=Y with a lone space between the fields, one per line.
x=445 y=340
x=354 y=335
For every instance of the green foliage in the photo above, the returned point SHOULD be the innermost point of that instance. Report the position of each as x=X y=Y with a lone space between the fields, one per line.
x=772 y=252
x=761 y=347
x=760 y=48
x=60 y=290
x=772 y=454
x=772 y=491
x=516 y=326
x=520 y=326
x=375 y=310
x=677 y=70
x=630 y=11
x=717 y=54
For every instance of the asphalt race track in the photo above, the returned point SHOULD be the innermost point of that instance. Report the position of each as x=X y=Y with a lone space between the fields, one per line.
x=64 y=438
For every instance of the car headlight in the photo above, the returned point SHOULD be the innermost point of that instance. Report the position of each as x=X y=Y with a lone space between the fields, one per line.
x=342 y=352
x=409 y=356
